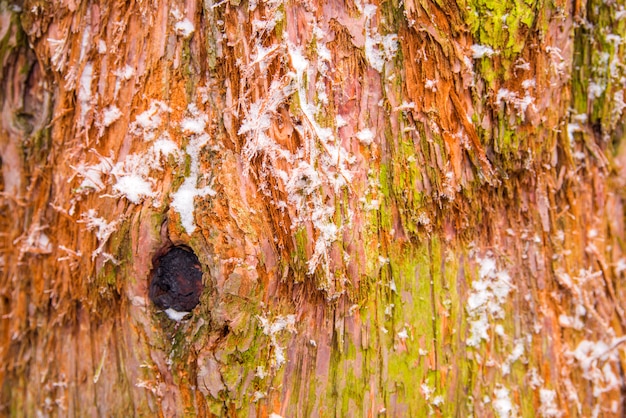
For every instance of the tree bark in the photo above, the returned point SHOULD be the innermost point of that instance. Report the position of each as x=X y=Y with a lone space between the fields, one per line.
x=399 y=208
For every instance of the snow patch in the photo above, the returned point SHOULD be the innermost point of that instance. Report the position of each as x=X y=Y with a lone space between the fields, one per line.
x=378 y=49
x=272 y=329
x=486 y=298
x=183 y=199
x=84 y=92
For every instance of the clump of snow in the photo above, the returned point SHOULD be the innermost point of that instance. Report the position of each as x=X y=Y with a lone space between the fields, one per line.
x=365 y=136
x=599 y=362
x=378 y=49
x=618 y=105
x=303 y=182
x=184 y=28
x=534 y=378
x=481 y=51
x=147 y=122
x=132 y=175
x=518 y=351
x=520 y=104
x=110 y=115
x=427 y=390
x=431 y=84
x=502 y=404
x=194 y=125
x=125 y=73
x=486 y=298
x=548 y=407
x=595 y=90
x=403 y=334
x=102 y=47
x=175 y=315
x=163 y=146
x=134 y=187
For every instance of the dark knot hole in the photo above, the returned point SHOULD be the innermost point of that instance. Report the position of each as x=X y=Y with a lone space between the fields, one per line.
x=176 y=280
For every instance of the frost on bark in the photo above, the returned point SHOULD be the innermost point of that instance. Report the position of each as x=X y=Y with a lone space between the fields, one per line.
x=400 y=208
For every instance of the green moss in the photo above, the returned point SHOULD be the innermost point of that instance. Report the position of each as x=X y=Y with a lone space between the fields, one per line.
x=299 y=258
x=503 y=26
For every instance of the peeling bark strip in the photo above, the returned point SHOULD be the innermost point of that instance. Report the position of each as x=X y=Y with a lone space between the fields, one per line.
x=400 y=208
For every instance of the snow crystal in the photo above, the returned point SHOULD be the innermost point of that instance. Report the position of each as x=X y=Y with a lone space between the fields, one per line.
x=102 y=228
x=57 y=50
x=92 y=175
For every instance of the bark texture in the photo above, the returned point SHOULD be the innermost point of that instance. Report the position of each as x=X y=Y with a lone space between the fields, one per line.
x=401 y=208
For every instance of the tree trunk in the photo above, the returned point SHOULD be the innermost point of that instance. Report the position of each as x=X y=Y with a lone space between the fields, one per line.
x=399 y=209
